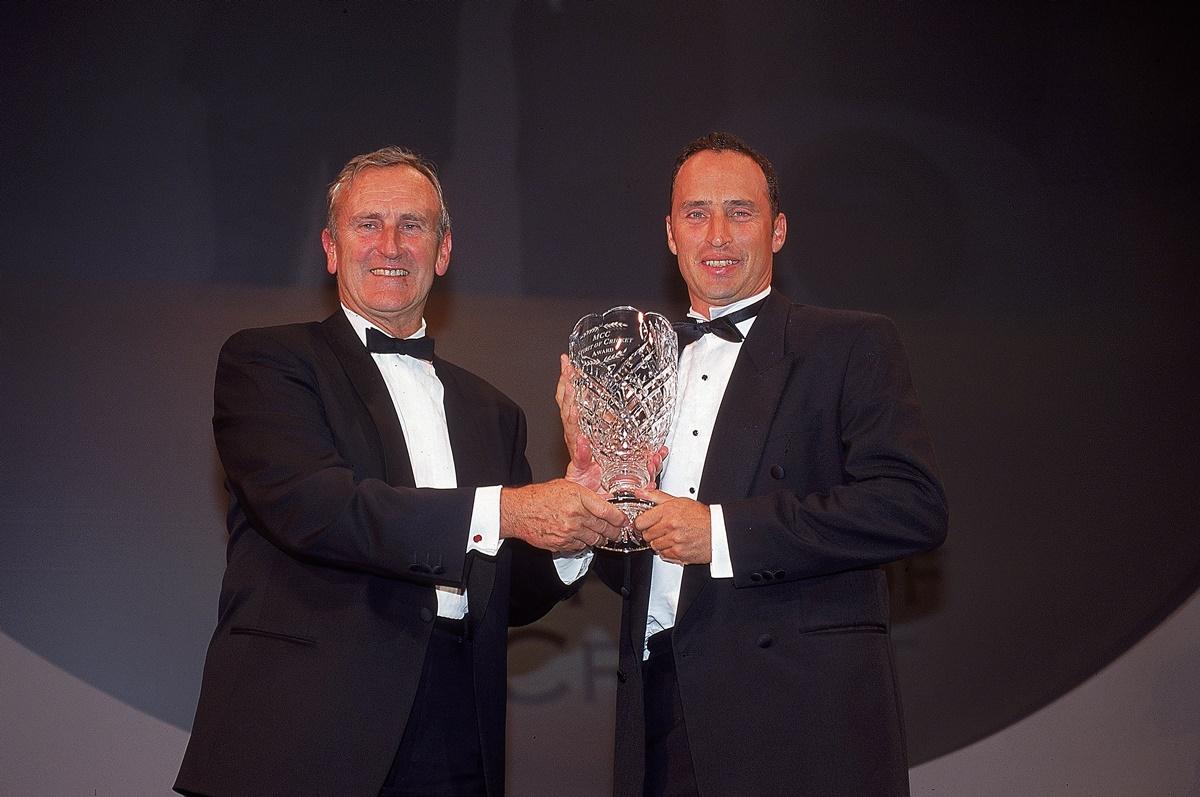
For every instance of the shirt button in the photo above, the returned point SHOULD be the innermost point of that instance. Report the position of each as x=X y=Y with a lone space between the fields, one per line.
x=695 y=433
x=478 y=538
x=704 y=377
x=692 y=490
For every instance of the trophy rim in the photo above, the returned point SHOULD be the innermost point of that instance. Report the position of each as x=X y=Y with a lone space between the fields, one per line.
x=601 y=315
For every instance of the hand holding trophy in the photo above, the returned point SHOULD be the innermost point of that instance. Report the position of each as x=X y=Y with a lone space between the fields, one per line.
x=625 y=364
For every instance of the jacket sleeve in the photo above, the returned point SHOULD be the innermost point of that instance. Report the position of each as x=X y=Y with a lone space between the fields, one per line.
x=868 y=495
x=535 y=586
x=288 y=472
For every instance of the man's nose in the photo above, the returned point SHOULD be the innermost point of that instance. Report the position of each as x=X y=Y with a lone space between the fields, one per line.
x=718 y=230
x=389 y=246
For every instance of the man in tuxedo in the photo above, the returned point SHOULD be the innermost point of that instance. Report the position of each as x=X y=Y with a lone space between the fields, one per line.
x=755 y=655
x=380 y=541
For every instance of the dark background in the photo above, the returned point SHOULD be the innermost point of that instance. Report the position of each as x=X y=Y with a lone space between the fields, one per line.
x=1014 y=184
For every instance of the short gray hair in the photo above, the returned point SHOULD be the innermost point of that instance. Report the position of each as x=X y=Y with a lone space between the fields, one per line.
x=380 y=158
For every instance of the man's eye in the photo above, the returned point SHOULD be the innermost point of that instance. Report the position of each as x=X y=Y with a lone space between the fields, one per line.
x=695 y=215
x=368 y=225
x=411 y=226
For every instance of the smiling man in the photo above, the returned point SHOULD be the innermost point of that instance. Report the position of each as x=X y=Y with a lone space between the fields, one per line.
x=380 y=542
x=754 y=653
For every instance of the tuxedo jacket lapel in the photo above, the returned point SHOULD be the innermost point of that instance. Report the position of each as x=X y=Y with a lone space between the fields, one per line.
x=462 y=424
x=368 y=383
x=744 y=420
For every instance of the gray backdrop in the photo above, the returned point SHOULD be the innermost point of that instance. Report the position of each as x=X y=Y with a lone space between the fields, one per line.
x=1015 y=186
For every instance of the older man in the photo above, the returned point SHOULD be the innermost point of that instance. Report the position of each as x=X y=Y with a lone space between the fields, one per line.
x=754 y=654
x=378 y=548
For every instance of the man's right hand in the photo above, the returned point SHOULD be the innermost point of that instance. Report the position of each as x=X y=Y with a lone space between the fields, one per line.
x=560 y=516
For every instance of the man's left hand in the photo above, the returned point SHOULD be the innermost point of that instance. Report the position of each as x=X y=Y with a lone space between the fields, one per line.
x=678 y=529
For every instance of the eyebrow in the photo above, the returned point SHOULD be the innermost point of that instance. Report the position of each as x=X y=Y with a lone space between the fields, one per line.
x=728 y=203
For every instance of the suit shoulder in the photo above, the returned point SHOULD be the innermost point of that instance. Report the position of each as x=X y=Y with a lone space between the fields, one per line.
x=473 y=383
x=840 y=332
x=285 y=336
x=833 y=318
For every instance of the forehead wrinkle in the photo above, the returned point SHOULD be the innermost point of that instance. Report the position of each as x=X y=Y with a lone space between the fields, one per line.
x=407 y=215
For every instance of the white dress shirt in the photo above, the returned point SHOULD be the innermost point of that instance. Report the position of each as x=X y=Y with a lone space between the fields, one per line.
x=417 y=394
x=704 y=370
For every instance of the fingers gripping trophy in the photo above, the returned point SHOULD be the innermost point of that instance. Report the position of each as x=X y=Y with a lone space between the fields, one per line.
x=625 y=364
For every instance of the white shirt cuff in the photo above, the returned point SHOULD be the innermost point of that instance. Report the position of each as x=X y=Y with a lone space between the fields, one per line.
x=721 y=565
x=572 y=566
x=484 y=535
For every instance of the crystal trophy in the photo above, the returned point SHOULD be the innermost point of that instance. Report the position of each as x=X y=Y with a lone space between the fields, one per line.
x=625 y=363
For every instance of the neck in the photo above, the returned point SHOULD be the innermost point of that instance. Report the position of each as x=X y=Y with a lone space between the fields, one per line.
x=400 y=325
x=709 y=311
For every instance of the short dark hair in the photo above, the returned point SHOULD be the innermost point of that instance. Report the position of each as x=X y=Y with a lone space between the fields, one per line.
x=382 y=158
x=728 y=142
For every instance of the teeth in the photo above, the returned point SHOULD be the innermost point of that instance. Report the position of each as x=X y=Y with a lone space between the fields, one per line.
x=390 y=272
x=719 y=263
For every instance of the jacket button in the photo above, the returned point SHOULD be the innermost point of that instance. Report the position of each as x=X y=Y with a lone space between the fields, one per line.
x=438 y=570
x=756 y=576
x=764 y=641
x=426 y=614
x=621 y=676
x=776 y=471
x=779 y=574
x=624 y=592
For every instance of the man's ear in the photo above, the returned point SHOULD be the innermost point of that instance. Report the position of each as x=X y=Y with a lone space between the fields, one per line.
x=671 y=238
x=443 y=258
x=330 y=251
x=779 y=233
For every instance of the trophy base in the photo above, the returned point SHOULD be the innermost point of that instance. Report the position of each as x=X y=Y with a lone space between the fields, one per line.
x=630 y=540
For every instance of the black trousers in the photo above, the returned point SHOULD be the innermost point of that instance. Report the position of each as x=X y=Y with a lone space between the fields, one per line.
x=440 y=754
x=669 y=771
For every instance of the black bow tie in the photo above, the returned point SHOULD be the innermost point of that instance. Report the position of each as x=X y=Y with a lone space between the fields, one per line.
x=379 y=343
x=691 y=330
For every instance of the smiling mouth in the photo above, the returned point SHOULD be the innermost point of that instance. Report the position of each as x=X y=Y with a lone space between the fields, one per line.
x=390 y=272
x=718 y=263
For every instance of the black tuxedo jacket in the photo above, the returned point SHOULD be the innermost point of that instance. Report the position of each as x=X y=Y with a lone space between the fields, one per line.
x=821 y=464
x=327 y=602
